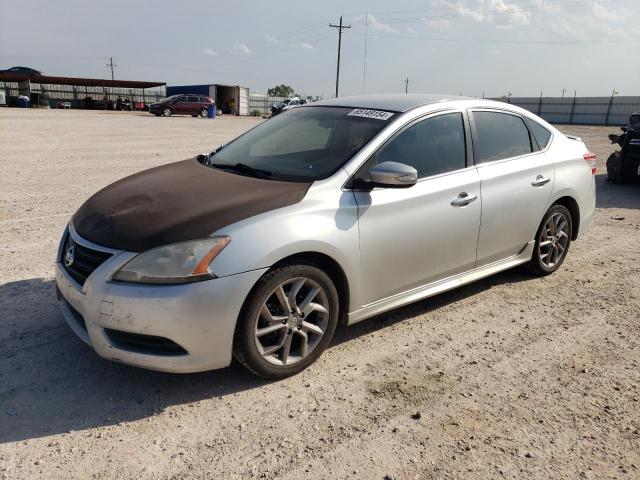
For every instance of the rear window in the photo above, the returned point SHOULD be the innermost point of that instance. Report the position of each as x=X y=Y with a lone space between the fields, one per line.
x=540 y=134
x=499 y=136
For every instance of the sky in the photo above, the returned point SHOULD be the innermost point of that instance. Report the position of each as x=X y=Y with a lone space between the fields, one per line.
x=469 y=47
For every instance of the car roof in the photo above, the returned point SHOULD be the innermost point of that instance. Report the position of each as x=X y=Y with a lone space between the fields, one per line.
x=395 y=102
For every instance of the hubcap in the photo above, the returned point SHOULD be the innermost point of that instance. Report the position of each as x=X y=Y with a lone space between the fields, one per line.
x=291 y=321
x=554 y=239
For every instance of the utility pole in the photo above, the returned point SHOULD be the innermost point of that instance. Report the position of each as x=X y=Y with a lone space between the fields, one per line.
x=406 y=85
x=340 y=27
x=364 y=64
x=563 y=90
x=112 y=65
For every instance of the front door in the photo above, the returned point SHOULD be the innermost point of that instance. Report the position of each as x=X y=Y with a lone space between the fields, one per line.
x=418 y=235
x=180 y=105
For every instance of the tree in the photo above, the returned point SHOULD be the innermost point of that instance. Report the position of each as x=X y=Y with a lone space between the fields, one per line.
x=280 y=91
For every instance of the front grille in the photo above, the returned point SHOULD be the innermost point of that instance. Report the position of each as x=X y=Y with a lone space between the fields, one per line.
x=148 y=344
x=85 y=260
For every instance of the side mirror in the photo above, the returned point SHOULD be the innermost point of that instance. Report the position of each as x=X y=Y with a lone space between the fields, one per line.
x=393 y=175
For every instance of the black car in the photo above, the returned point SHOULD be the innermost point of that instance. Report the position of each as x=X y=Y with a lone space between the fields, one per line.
x=31 y=72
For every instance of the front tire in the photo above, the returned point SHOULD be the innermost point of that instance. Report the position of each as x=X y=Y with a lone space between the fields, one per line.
x=288 y=320
x=552 y=241
x=204 y=113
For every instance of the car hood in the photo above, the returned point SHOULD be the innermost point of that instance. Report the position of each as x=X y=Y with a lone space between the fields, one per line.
x=177 y=202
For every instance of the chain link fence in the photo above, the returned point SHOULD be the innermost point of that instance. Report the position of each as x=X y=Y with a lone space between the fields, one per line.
x=260 y=103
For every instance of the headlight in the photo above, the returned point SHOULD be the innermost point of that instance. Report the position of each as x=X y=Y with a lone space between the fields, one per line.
x=183 y=262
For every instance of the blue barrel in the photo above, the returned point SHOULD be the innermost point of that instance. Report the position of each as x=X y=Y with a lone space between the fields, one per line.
x=211 y=111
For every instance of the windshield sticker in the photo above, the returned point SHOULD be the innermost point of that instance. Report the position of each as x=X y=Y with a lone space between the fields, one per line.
x=366 y=113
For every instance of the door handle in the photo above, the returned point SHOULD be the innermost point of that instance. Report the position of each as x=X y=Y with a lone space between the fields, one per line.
x=540 y=180
x=463 y=199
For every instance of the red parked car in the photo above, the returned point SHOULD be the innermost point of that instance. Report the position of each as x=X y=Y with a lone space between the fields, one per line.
x=193 y=105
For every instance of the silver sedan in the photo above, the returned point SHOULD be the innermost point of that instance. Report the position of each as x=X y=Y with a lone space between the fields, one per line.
x=320 y=217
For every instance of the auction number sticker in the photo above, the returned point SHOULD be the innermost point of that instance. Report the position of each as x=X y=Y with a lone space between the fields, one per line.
x=366 y=113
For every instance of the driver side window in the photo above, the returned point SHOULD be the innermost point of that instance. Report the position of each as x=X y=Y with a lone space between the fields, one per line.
x=432 y=146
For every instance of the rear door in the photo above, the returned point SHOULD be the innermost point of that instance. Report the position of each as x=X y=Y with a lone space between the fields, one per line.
x=193 y=104
x=516 y=183
x=413 y=236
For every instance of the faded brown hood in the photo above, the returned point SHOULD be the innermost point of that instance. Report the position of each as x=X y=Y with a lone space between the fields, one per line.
x=177 y=202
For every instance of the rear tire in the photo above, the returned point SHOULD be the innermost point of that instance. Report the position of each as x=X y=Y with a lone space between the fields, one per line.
x=552 y=241
x=167 y=112
x=614 y=168
x=287 y=321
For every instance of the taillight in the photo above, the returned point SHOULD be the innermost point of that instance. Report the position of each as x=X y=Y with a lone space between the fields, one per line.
x=591 y=159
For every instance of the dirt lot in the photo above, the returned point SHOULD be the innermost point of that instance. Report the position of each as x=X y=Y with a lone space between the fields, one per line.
x=513 y=376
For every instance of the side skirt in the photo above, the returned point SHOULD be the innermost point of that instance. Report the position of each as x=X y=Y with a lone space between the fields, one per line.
x=429 y=290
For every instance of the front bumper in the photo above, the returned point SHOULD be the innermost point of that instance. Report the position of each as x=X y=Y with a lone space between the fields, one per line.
x=198 y=317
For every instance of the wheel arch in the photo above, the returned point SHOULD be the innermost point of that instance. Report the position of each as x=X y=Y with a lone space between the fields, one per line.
x=572 y=205
x=331 y=267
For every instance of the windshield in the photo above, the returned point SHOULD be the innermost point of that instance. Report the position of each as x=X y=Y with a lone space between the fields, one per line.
x=303 y=144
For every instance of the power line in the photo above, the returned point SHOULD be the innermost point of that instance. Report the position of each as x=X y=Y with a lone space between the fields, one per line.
x=514 y=42
x=340 y=27
x=495 y=12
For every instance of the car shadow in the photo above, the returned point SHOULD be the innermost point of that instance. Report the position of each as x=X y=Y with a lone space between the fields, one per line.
x=422 y=307
x=611 y=195
x=52 y=383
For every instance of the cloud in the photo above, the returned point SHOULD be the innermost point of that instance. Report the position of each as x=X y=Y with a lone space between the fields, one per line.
x=601 y=13
x=242 y=49
x=509 y=15
x=497 y=12
x=374 y=24
x=437 y=23
x=272 y=40
x=210 y=52
x=303 y=46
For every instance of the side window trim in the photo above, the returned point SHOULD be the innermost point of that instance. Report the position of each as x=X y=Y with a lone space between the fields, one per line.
x=475 y=136
x=533 y=137
x=411 y=123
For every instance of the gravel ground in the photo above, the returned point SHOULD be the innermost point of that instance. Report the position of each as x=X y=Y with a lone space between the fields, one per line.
x=513 y=376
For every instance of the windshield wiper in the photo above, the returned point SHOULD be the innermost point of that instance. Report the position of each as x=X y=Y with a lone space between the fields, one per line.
x=245 y=169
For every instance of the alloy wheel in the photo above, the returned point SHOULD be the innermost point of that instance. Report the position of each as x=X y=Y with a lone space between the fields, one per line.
x=291 y=321
x=554 y=239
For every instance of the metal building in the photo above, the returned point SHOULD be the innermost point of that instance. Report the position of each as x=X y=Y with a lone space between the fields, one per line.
x=78 y=92
x=229 y=99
